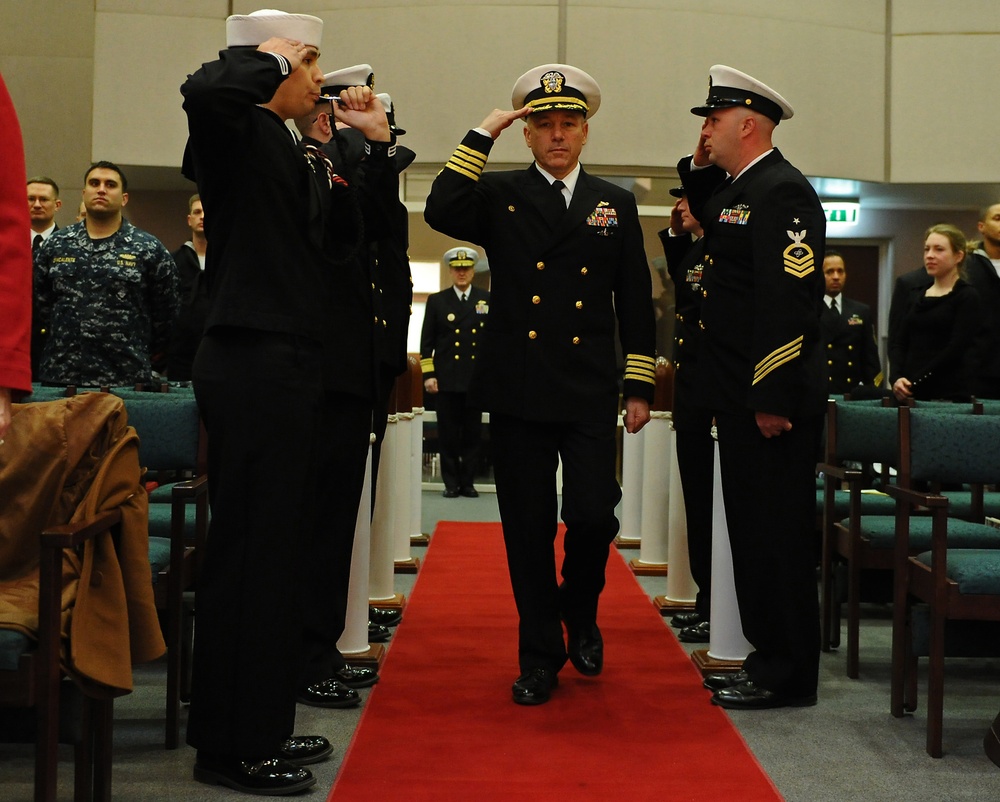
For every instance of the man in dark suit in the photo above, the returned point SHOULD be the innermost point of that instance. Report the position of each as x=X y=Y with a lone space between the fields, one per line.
x=848 y=334
x=43 y=203
x=454 y=323
x=684 y=249
x=983 y=270
x=762 y=377
x=548 y=370
x=190 y=321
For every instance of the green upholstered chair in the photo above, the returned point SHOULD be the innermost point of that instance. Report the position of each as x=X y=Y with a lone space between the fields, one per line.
x=956 y=574
x=171 y=441
x=859 y=432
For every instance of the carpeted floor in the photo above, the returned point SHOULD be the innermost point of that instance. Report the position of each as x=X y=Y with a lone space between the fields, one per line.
x=642 y=727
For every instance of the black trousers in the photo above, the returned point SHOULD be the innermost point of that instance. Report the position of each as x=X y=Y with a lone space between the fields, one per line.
x=696 y=464
x=526 y=455
x=460 y=431
x=769 y=488
x=344 y=437
x=260 y=397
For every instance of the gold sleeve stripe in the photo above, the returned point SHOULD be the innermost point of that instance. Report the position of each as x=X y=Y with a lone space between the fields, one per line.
x=471 y=155
x=473 y=174
x=640 y=368
x=879 y=379
x=427 y=365
x=467 y=162
x=776 y=358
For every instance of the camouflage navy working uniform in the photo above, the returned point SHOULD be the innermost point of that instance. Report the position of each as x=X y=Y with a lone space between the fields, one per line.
x=107 y=305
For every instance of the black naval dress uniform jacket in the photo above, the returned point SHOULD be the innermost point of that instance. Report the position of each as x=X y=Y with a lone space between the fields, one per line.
x=761 y=352
x=692 y=418
x=850 y=348
x=449 y=342
x=548 y=373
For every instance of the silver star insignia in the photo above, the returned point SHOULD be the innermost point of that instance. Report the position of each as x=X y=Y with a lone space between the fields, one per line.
x=795 y=220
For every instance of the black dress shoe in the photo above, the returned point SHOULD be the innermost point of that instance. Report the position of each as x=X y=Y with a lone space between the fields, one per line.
x=384 y=616
x=450 y=492
x=377 y=633
x=329 y=693
x=698 y=633
x=688 y=619
x=305 y=749
x=535 y=687
x=716 y=682
x=469 y=492
x=750 y=696
x=270 y=777
x=356 y=676
x=586 y=649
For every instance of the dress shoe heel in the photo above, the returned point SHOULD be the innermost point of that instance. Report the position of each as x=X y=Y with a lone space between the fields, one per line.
x=269 y=777
x=716 y=682
x=535 y=687
x=751 y=696
x=696 y=633
x=686 y=619
x=586 y=649
x=303 y=750
x=329 y=693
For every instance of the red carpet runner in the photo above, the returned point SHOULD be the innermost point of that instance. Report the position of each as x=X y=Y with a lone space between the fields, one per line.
x=441 y=724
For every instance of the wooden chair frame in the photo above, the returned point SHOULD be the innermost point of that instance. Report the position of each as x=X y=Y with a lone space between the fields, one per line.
x=37 y=679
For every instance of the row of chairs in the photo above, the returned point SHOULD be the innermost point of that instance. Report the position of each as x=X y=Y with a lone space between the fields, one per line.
x=943 y=559
x=171 y=446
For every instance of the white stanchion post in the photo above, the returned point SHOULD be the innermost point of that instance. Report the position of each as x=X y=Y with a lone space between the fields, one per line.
x=681 y=587
x=727 y=641
x=354 y=639
x=655 y=490
x=401 y=504
x=382 y=566
x=416 y=474
x=631 y=517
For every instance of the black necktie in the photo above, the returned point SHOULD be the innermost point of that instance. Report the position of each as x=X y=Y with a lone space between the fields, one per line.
x=464 y=297
x=555 y=202
x=35 y=243
x=833 y=306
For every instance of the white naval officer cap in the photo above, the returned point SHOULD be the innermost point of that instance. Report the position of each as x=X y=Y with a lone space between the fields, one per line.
x=728 y=87
x=359 y=75
x=557 y=86
x=250 y=30
x=463 y=256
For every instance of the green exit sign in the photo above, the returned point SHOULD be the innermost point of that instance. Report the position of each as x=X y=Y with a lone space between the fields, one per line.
x=841 y=212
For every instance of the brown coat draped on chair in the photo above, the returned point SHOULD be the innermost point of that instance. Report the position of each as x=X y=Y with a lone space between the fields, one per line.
x=63 y=461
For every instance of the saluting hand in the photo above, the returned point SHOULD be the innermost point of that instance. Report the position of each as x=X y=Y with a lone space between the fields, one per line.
x=292 y=49
x=360 y=108
x=701 y=157
x=498 y=119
